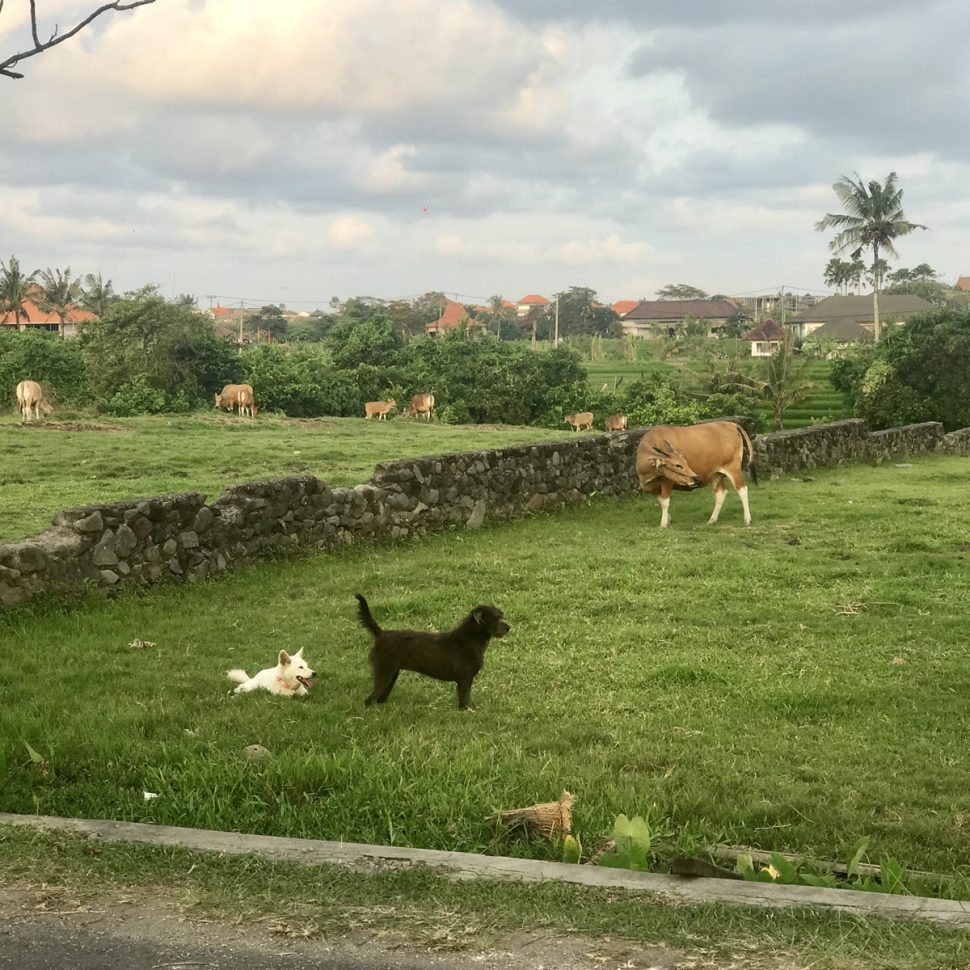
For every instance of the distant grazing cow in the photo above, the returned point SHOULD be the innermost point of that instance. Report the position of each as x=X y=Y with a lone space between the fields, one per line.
x=421 y=404
x=239 y=396
x=584 y=419
x=688 y=458
x=30 y=398
x=616 y=422
x=380 y=408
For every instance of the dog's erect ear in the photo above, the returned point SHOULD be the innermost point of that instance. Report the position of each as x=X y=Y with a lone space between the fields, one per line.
x=299 y=654
x=284 y=658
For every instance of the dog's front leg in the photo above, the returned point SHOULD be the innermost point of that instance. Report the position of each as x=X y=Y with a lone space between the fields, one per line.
x=464 y=695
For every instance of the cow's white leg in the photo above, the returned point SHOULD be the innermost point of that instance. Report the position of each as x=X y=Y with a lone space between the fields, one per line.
x=743 y=495
x=719 y=494
x=664 y=511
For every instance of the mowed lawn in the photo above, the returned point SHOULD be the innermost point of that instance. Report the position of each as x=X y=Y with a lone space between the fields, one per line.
x=77 y=459
x=795 y=685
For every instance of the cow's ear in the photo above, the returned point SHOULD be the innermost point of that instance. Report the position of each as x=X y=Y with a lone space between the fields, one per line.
x=660 y=451
x=670 y=446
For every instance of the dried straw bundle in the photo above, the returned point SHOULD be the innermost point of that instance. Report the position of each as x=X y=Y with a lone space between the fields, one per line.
x=546 y=818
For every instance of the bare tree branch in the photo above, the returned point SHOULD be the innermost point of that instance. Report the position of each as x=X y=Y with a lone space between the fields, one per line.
x=6 y=66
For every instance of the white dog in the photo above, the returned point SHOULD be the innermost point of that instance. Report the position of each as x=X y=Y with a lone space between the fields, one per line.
x=291 y=676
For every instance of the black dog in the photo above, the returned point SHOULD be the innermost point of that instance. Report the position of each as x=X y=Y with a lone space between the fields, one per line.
x=456 y=655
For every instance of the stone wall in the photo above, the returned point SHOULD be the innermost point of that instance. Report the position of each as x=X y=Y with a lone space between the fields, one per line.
x=848 y=442
x=181 y=538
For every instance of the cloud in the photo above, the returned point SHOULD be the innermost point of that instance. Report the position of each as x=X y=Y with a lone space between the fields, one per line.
x=350 y=232
x=292 y=148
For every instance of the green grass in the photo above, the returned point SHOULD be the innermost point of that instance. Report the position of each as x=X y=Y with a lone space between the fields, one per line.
x=43 y=470
x=738 y=682
x=824 y=404
x=430 y=911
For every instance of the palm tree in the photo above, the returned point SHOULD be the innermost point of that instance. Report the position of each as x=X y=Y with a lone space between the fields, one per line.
x=96 y=295
x=873 y=218
x=15 y=287
x=57 y=293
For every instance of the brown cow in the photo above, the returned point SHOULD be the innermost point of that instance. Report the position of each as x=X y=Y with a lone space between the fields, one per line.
x=616 y=422
x=671 y=457
x=421 y=404
x=380 y=408
x=582 y=419
x=30 y=397
x=239 y=396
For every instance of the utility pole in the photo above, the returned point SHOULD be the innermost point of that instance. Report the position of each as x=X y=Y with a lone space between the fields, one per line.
x=240 y=322
x=555 y=341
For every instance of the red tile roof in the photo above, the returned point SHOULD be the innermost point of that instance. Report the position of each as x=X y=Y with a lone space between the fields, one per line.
x=622 y=307
x=33 y=314
x=451 y=316
x=533 y=299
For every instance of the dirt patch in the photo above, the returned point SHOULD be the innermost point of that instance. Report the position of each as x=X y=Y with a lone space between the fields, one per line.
x=136 y=916
x=73 y=426
x=310 y=423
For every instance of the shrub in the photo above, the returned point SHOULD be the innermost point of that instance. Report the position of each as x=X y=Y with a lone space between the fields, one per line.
x=921 y=372
x=135 y=397
x=300 y=382
x=44 y=357
x=373 y=341
x=147 y=342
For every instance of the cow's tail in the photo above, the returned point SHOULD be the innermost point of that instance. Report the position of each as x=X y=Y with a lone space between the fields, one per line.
x=364 y=614
x=750 y=467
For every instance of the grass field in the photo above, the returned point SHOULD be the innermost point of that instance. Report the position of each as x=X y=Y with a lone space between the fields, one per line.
x=43 y=470
x=824 y=404
x=792 y=686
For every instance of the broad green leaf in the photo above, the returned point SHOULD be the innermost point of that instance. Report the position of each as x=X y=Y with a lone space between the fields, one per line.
x=34 y=756
x=857 y=853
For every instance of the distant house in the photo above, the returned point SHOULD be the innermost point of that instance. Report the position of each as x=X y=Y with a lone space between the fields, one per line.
x=668 y=318
x=452 y=315
x=765 y=339
x=622 y=307
x=962 y=284
x=33 y=318
x=844 y=331
x=857 y=309
x=530 y=302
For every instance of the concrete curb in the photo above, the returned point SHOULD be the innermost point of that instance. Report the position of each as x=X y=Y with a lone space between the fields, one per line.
x=465 y=865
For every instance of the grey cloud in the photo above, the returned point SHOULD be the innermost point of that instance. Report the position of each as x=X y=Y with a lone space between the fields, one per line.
x=894 y=86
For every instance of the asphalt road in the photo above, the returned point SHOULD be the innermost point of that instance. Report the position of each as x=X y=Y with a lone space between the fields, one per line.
x=33 y=945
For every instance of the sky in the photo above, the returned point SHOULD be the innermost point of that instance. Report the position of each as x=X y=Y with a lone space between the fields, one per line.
x=297 y=151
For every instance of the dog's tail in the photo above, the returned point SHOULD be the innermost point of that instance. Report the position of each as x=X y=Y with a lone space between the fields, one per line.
x=364 y=613
x=239 y=676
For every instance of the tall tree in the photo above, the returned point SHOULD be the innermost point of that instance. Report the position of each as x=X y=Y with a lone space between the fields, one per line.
x=15 y=287
x=839 y=273
x=57 y=293
x=8 y=64
x=681 y=291
x=96 y=294
x=872 y=220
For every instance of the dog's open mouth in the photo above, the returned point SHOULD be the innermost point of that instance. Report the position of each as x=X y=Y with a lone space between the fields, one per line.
x=306 y=681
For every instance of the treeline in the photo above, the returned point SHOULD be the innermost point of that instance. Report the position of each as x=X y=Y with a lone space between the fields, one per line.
x=149 y=356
